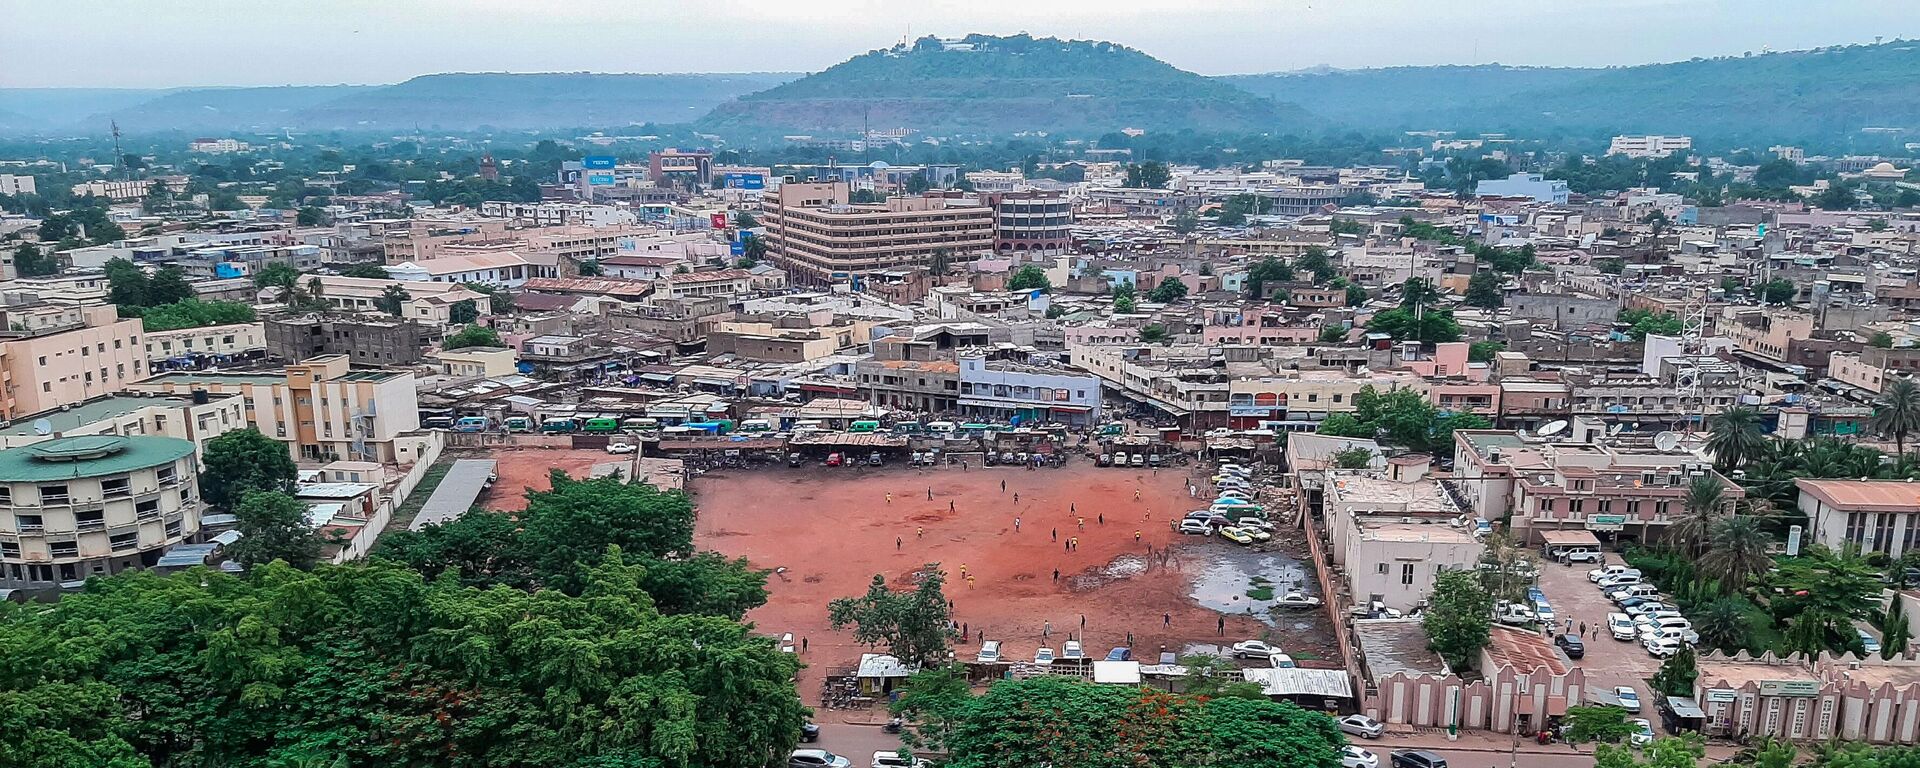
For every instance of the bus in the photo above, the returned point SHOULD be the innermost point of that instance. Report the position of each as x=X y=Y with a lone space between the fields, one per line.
x=437 y=422
x=602 y=425
x=558 y=425
x=756 y=425
x=519 y=424
x=640 y=425
x=940 y=428
x=864 y=426
x=471 y=424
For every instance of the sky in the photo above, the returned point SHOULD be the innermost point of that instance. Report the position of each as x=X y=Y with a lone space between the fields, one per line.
x=174 y=43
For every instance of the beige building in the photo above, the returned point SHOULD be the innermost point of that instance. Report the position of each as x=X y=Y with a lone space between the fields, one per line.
x=194 y=419
x=125 y=191
x=698 y=285
x=321 y=408
x=52 y=355
x=1649 y=146
x=1390 y=532
x=1871 y=368
x=814 y=231
x=428 y=303
x=237 y=340
x=65 y=289
x=485 y=362
x=76 y=507
x=1765 y=331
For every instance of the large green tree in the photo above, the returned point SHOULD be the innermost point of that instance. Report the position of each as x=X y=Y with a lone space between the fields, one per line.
x=1819 y=597
x=1029 y=278
x=273 y=526
x=472 y=336
x=1483 y=291
x=1168 y=291
x=1896 y=411
x=1734 y=437
x=912 y=625
x=1459 y=618
x=243 y=461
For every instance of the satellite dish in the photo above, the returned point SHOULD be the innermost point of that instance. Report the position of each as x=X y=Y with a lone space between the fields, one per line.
x=1615 y=429
x=42 y=427
x=1552 y=428
x=1666 y=441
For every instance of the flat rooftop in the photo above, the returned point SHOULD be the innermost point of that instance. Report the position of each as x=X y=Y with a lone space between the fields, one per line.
x=1390 y=646
x=229 y=379
x=1524 y=651
x=103 y=409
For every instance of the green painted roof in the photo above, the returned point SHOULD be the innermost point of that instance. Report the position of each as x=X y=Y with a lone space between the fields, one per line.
x=89 y=456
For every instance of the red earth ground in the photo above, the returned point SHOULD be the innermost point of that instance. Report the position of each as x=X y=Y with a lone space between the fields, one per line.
x=829 y=530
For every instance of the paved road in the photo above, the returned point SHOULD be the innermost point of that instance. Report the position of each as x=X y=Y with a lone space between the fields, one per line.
x=856 y=743
x=1608 y=662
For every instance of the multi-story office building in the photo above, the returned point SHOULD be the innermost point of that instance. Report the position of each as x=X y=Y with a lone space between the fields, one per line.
x=319 y=407
x=1575 y=486
x=15 y=184
x=1006 y=390
x=53 y=355
x=128 y=190
x=195 y=418
x=364 y=339
x=1649 y=146
x=191 y=346
x=819 y=237
x=1031 y=223
x=76 y=507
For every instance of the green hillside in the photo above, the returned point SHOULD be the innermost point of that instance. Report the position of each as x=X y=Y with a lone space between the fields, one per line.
x=1819 y=97
x=220 y=110
x=1001 y=85
x=547 y=100
x=45 y=108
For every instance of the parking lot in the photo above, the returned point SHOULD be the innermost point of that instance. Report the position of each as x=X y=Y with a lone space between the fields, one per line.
x=1608 y=662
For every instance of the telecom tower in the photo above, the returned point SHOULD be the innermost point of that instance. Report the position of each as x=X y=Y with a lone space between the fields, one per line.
x=1686 y=381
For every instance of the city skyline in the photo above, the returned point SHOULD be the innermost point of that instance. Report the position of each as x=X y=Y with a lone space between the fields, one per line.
x=353 y=41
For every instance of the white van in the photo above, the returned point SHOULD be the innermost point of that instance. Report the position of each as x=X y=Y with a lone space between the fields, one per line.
x=989 y=652
x=1612 y=583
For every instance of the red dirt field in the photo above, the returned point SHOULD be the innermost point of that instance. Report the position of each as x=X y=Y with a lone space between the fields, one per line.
x=833 y=529
x=522 y=468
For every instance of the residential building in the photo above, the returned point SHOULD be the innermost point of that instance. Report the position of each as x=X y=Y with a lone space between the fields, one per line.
x=1618 y=492
x=1188 y=383
x=16 y=184
x=550 y=213
x=321 y=408
x=208 y=344
x=1871 y=368
x=483 y=362
x=678 y=167
x=427 y=303
x=1529 y=185
x=1649 y=146
x=93 y=505
x=504 y=269
x=1005 y=390
x=814 y=231
x=697 y=285
x=363 y=339
x=1390 y=532
x=196 y=418
x=217 y=146
x=54 y=355
x=1765 y=331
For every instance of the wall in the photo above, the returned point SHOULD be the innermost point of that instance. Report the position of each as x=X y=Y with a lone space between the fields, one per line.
x=363 y=540
x=1430 y=701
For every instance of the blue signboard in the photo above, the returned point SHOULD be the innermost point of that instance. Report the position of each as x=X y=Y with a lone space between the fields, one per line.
x=746 y=181
x=737 y=248
x=597 y=162
x=600 y=179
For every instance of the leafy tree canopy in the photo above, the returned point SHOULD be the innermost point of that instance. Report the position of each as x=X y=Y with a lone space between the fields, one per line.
x=241 y=462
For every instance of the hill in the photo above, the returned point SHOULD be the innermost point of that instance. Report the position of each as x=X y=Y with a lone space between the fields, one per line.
x=545 y=100
x=222 y=110
x=998 y=86
x=1820 y=97
x=48 y=108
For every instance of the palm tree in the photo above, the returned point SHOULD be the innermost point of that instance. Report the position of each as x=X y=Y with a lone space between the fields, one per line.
x=1722 y=624
x=1735 y=437
x=1737 y=551
x=1897 y=411
x=1703 y=506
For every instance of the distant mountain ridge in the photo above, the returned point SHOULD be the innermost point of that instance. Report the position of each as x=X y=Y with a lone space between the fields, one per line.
x=1822 y=94
x=997 y=86
x=453 y=101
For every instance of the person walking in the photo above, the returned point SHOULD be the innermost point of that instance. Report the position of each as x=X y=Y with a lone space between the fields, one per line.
x=1016 y=497
x=1136 y=494
x=1223 y=626
x=969 y=582
x=1003 y=486
x=949 y=505
x=889 y=498
x=1083 y=623
x=1075 y=541
x=1073 y=508
x=1136 y=536
x=803 y=645
x=963 y=631
x=1056 y=534
x=920 y=532
x=1016 y=523
x=1583 y=629
x=1081 y=522
x=1046 y=630
x=1056 y=574
x=896 y=542
x=929 y=494
x=1103 y=518
x=1166 y=620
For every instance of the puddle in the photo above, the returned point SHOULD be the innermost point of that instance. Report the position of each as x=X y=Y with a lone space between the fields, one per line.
x=1122 y=567
x=1241 y=582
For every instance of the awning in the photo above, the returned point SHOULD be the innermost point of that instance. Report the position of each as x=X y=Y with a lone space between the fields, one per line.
x=1570 y=539
x=1686 y=708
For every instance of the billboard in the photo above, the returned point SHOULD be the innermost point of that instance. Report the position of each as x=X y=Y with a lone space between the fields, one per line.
x=737 y=248
x=746 y=181
x=719 y=221
x=600 y=179
x=597 y=162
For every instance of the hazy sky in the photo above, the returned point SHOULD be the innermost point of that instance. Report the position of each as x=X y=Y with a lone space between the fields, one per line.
x=159 y=43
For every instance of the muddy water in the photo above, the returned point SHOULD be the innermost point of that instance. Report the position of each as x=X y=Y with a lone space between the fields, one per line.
x=1229 y=573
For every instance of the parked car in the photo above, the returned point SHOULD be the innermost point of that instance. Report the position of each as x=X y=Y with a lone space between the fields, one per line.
x=1355 y=757
x=1253 y=649
x=892 y=759
x=1868 y=642
x=1105 y=460
x=834 y=459
x=1235 y=535
x=1612 y=583
x=1254 y=533
x=1621 y=627
x=1514 y=614
x=989 y=652
x=1195 y=527
x=619 y=448
x=1597 y=574
x=1417 y=758
x=1572 y=645
x=1260 y=523
x=816 y=758
x=1636 y=590
x=1119 y=458
x=1660 y=647
x=1281 y=661
x=1121 y=653
x=1644 y=735
x=1362 y=726
x=1071 y=651
x=1137 y=460
x=1572 y=556
x=1297 y=599
x=809 y=733
x=1629 y=698
x=1043 y=656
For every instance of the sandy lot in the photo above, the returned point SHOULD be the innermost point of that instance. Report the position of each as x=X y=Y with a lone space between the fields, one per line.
x=833 y=529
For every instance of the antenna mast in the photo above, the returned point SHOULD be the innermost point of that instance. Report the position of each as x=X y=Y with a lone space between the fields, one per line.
x=120 y=157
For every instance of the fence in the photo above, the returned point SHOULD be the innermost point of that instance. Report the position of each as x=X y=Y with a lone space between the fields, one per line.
x=362 y=541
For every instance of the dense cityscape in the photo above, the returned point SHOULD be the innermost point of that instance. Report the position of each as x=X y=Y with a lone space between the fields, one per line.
x=977 y=401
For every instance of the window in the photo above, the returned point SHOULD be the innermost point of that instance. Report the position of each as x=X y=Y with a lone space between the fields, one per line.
x=1383 y=568
x=147 y=510
x=1606 y=505
x=90 y=521
x=1406 y=573
x=1573 y=506
x=116 y=486
x=124 y=540
x=9 y=549
x=31 y=523
x=173 y=529
x=64 y=548
x=1660 y=507
x=6 y=494
x=53 y=494
x=1546 y=505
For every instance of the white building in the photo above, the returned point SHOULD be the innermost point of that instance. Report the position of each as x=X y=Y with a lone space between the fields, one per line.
x=506 y=269
x=15 y=184
x=1391 y=533
x=1530 y=185
x=1649 y=146
x=218 y=146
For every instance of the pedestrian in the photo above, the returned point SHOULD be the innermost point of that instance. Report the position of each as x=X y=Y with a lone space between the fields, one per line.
x=920 y=532
x=1016 y=497
x=963 y=631
x=1223 y=626
x=963 y=572
x=1075 y=541
x=949 y=603
x=1073 y=508
x=803 y=645
x=1067 y=547
x=1129 y=638
x=969 y=582
x=1080 y=521
x=1103 y=518
x=1136 y=535
x=1046 y=629
x=929 y=494
x=1569 y=624
x=1056 y=574
x=1083 y=621
x=1166 y=619
x=949 y=505
x=1003 y=486
x=896 y=542
x=889 y=498
x=1056 y=534
x=1136 y=494
x=1583 y=629
x=983 y=634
